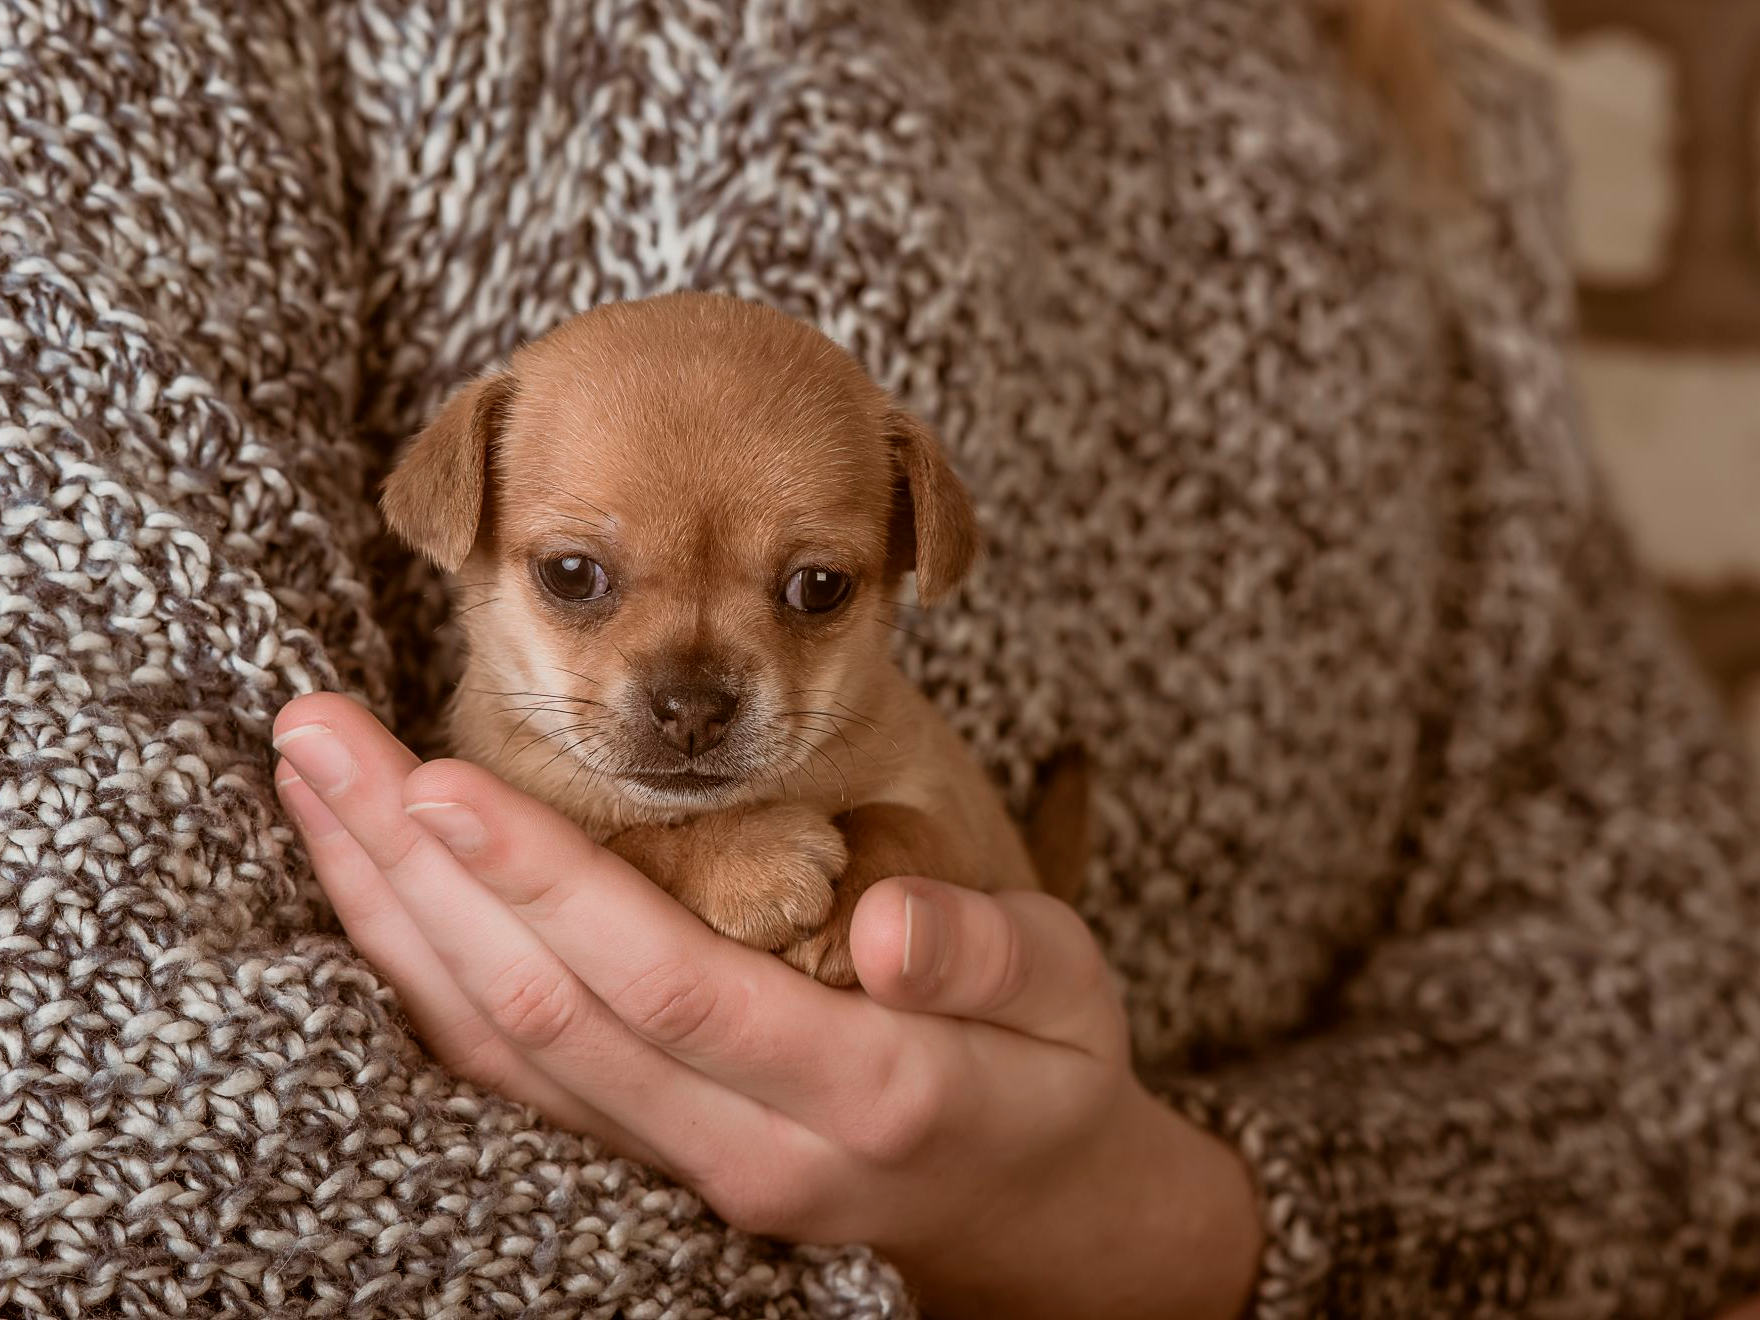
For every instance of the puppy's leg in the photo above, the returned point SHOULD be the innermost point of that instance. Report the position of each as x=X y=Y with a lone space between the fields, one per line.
x=884 y=839
x=1057 y=830
x=763 y=877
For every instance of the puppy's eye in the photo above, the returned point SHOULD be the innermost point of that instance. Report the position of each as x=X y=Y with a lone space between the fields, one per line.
x=573 y=577
x=816 y=590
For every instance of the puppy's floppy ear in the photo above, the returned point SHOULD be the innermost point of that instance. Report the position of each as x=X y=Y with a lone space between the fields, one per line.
x=934 y=528
x=434 y=497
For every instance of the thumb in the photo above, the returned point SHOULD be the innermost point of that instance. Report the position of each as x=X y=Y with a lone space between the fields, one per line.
x=1020 y=959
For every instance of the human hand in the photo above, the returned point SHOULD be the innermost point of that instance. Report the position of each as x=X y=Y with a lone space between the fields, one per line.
x=974 y=1115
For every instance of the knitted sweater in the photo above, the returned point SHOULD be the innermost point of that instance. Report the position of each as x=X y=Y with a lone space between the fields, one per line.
x=1425 y=864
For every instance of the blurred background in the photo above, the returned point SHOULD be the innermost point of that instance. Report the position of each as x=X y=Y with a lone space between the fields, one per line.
x=1661 y=107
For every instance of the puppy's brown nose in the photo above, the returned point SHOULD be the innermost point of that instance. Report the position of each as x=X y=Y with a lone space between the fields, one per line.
x=693 y=717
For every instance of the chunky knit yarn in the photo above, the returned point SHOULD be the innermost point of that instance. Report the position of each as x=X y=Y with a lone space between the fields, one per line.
x=1424 y=863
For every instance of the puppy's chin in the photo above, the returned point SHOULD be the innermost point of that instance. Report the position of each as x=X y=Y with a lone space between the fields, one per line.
x=685 y=790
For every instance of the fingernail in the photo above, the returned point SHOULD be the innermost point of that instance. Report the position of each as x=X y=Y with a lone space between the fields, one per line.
x=315 y=820
x=923 y=939
x=318 y=757
x=455 y=825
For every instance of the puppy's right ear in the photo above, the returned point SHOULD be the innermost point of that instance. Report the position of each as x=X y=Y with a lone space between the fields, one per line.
x=434 y=496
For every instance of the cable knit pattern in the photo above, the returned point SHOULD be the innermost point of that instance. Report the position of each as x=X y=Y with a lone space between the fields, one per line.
x=1425 y=864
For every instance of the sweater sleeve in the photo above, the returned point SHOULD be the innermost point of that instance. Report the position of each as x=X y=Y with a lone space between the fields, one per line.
x=1530 y=1089
x=1536 y=1095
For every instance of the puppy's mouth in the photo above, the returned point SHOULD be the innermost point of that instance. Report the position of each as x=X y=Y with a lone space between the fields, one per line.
x=685 y=782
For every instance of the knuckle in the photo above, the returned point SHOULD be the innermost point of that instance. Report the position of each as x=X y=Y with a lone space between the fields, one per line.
x=1087 y=964
x=904 y=1116
x=480 y=1057
x=398 y=851
x=1008 y=967
x=671 y=1004
x=765 y=1202
x=538 y=895
x=1084 y=968
x=748 y=1207
x=533 y=1010
x=445 y=779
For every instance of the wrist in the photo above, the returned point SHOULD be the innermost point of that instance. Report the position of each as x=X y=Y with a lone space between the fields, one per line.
x=1151 y=1217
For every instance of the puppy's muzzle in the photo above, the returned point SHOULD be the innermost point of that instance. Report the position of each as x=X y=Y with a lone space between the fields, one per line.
x=693 y=716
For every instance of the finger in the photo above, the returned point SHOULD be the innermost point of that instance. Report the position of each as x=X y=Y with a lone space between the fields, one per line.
x=736 y=1015
x=501 y=965
x=353 y=762
x=457 y=1035
x=1018 y=959
x=354 y=766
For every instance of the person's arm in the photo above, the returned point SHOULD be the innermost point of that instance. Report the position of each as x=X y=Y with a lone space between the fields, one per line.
x=1537 y=1095
x=1528 y=1087
x=973 y=1115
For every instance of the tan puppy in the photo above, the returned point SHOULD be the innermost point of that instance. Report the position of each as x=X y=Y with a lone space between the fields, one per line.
x=679 y=527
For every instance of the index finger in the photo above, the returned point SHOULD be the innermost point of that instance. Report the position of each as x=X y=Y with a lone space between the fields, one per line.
x=737 y=1015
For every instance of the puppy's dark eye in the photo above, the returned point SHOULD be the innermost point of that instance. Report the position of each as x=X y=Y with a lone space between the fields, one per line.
x=816 y=590
x=573 y=577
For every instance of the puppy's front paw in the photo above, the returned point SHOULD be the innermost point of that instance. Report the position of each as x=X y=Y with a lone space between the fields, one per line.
x=825 y=954
x=773 y=883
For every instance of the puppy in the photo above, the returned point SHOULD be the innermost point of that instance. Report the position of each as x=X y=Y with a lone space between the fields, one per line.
x=678 y=529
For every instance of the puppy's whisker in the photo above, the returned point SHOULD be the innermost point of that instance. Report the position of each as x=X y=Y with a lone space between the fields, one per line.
x=563 y=749
x=596 y=765
x=581 y=763
x=835 y=718
x=837 y=723
x=547 y=696
x=575 y=673
x=459 y=614
x=541 y=707
x=551 y=734
x=563 y=705
x=852 y=713
x=591 y=763
x=526 y=718
x=825 y=756
x=803 y=768
x=547 y=705
x=447 y=588
x=833 y=732
x=900 y=628
x=568 y=729
x=568 y=750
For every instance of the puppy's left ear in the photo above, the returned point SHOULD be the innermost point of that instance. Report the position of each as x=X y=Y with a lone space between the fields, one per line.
x=934 y=528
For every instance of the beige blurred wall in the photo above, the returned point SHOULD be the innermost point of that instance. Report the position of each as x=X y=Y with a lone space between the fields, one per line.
x=1677 y=423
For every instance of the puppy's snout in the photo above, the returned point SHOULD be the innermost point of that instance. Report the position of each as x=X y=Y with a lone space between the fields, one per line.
x=693 y=717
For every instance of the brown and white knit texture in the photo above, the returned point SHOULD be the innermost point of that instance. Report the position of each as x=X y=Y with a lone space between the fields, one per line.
x=1422 y=860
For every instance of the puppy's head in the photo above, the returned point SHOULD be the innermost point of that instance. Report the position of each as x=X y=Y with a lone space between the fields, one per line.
x=681 y=524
